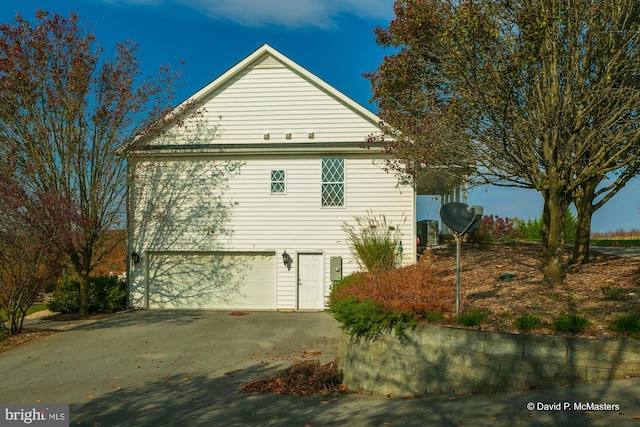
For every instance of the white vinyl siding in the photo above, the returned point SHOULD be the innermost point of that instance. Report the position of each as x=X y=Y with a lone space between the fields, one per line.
x=277 y=101
x=296 y=223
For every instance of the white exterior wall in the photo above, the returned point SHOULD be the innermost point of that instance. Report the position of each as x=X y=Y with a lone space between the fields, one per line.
x=173 y=199
x=260 y=221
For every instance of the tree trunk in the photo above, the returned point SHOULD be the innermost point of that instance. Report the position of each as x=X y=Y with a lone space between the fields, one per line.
x=555 y=210
x=583 y=235
x=583 y=228
x=84 y=294
x=81 y=263
x=16 y=320
x=17 y=302
x=545 y=221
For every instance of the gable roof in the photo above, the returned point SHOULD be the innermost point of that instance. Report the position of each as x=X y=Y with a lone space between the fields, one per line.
x=266 y=50
x=258 y=104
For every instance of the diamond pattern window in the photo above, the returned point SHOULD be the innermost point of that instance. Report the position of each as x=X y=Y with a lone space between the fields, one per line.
x=332 y=182
x=277 y=181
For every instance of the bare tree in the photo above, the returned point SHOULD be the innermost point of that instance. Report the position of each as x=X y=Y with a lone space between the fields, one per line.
x=29 y=224
x=544 y=92
x=65 y=111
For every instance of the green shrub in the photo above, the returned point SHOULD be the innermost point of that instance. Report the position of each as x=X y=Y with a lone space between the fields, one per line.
x=571 y=323
x=570 y=226
x=374 y=242
x=367 y=319
x=627 y=324
x=616 y=294
x=106 y=295
x=357 y=318
x=432 y=316
x=472 y=318
x=66 y=298
x=352 y=279
x=526 y=322
x=109 y=294
x=531 y=229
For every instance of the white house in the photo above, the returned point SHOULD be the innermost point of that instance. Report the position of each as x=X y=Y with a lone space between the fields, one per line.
x=267 y=172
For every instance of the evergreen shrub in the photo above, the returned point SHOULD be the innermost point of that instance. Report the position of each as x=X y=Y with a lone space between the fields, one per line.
x=627 y=324
x=527 y=322
x=107 y=294
x=571 y=323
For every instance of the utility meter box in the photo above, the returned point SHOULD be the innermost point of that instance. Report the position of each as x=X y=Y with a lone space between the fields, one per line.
x=335 y=262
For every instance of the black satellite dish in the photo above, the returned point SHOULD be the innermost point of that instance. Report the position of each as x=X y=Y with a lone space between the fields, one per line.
x=460 y=217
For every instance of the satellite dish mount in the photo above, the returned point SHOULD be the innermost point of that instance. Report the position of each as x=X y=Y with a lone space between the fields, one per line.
x=462 y=219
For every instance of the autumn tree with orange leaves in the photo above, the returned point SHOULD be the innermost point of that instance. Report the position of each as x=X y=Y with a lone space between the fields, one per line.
x=66 y=110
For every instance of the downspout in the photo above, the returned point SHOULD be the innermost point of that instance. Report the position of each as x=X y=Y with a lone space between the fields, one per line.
x=129 y=233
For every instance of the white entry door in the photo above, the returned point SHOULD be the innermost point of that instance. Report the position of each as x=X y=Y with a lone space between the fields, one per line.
x=310 y=282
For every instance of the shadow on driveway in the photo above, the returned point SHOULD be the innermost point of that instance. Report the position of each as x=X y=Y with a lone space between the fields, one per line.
x=198 y=400
x=150 y=317
x=183 y=368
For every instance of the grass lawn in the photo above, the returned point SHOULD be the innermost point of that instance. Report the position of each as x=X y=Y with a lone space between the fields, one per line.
x=33 y=309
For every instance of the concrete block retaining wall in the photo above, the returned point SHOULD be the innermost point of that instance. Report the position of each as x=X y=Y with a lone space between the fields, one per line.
x=438 y=360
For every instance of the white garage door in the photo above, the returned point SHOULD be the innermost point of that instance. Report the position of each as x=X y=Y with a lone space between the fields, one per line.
x=211 y=280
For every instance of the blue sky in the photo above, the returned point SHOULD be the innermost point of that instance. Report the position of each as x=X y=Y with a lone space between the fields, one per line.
x=331 y=38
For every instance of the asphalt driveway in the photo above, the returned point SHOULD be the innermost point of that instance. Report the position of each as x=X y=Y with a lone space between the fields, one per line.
x=186 y=368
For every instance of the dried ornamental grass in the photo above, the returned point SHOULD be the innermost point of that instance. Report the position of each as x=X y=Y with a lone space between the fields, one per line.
x=374 y=242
